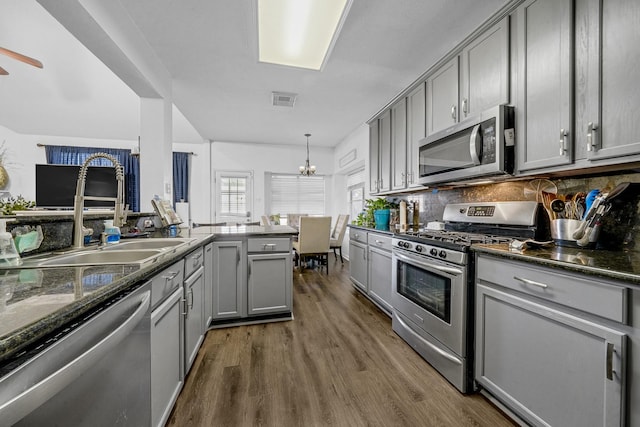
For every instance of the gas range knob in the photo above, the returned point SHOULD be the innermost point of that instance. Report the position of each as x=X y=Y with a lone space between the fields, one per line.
x=433 y=252
x=400 y=243
x=442 y=254
x=407 y=245
x=419 y=248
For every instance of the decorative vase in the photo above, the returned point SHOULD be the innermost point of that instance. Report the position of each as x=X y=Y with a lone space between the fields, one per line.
x=4 y=177
x=382 y=217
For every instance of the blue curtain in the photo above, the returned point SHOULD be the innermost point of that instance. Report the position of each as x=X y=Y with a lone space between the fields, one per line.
x=180 y=177
x=66 y=155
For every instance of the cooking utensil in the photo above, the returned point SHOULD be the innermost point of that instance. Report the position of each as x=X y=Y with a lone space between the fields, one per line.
x=557 y=205
x=539 y=186
x=589 y=198
x=590 y=218
x=590 y=232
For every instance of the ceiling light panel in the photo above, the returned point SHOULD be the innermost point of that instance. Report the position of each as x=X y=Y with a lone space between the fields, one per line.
x=299 y=33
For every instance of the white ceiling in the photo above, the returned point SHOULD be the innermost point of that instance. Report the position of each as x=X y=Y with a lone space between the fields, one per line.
x=209 y=48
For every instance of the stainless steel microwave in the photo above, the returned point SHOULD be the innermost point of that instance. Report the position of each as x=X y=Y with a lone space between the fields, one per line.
x=479 y=147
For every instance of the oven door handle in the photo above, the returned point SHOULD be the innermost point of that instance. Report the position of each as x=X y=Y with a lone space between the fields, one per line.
x=438 y=350
x=475 y=145
x=441 y=268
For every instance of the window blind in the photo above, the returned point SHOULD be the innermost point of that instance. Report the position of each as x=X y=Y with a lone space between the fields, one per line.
x=297 y=194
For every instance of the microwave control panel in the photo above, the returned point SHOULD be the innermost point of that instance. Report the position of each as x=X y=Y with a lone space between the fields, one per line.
x=488 y=129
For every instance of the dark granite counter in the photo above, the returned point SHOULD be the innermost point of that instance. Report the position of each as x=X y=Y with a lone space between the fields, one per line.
x=35 y=302
x=613 y=265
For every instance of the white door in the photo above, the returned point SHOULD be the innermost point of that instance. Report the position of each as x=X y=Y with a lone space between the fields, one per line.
x=234 y=196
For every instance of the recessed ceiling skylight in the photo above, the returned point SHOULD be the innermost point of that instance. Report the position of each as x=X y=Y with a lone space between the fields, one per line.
x=299 y=33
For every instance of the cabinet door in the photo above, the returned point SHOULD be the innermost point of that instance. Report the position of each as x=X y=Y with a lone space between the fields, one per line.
x=608 y=126
x=374 y=160
x=384 y=175
x=380 y=277
x=484 y=74
x=227 y=280
x=442 y=97
x=543 y=114
x=208 y=286
x=358 y=264
x=269 y=284
x=194 y=302
x=399 y=145
x=167 y=354
x=416 y=130
x=551 y=368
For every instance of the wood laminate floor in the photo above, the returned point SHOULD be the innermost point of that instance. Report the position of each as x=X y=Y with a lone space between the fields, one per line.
x=338 y=363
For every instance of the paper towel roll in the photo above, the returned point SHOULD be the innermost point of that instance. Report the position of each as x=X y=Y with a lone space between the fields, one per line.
x=403 y=215
x=182 y=209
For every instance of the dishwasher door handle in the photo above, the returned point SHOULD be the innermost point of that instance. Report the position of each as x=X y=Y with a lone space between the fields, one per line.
x=26 y=402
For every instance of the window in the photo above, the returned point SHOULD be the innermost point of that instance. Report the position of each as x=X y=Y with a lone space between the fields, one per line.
x=233 y=201
x=355 y=185
x=292 y=194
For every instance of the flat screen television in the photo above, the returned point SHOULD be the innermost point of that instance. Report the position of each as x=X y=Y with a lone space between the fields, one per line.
x=56 y=186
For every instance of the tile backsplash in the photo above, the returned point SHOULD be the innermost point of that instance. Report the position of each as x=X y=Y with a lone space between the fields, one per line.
x=432 y=201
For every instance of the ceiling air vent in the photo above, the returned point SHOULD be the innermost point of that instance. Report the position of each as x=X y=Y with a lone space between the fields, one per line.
x=283 y=99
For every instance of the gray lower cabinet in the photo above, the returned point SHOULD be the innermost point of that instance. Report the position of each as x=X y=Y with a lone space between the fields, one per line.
x=542 y=35
x=194 y=306
x=358 y=265
x=227 y=280
x=379 y=254
x=208 y=286
x=540 y=355
x=167 y=341
x=269 y=283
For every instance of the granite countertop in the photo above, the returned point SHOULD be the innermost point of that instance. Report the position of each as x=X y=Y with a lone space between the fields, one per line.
x=613 y=265
x=37 y=301
x=375 y=230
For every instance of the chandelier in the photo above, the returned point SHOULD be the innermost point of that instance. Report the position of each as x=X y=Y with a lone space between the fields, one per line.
x=307 y=170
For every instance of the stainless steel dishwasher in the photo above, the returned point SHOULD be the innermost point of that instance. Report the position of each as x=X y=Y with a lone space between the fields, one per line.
x=97 y=374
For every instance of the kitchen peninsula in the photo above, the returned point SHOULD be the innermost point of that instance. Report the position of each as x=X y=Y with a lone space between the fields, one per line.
x=179 y=286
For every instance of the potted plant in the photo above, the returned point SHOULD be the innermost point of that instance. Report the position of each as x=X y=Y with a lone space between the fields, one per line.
x=376 y=213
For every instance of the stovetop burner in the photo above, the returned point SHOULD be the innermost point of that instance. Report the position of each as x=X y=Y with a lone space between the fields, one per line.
x=458 y=237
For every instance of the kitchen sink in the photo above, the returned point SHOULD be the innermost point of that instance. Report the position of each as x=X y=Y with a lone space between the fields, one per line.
x=159 y=243
x=101 y=258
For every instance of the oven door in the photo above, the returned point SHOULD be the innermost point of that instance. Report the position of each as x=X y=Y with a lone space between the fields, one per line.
x=433 y=295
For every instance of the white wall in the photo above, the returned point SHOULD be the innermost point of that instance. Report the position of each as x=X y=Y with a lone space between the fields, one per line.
x=257 y=158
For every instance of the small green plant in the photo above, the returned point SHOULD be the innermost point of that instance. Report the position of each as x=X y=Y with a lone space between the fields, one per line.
x=366 y=217
x=11 y=204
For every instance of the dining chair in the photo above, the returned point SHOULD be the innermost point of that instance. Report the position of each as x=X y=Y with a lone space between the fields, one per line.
x=265 y=220
x=293 y=220
x=313 y=240
x=337 y=236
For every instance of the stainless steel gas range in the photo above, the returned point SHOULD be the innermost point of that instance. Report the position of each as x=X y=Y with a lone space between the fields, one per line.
x=432 y=278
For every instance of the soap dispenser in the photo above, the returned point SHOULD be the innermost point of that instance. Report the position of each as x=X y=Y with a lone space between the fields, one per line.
x=8 y=253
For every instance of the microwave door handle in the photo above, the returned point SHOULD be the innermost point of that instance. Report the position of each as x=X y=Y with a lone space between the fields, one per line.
x=475 y=144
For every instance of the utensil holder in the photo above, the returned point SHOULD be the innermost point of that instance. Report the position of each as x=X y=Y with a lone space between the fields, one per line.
x=562 y=233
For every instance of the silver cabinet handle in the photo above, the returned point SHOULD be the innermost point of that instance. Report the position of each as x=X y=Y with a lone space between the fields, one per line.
x=465 y=103
x=269 y=246
x=191 y=298
x=531 y=282
x=592 y=139
x=23 y=404
x=563 y=140
x=454 y=116
x=184 y=307
x=610 y=350
x=172 y=275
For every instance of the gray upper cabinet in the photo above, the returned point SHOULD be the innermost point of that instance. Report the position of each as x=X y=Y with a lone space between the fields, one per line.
x=416 y=130
x=442 y=97
x=607 y=91
x=543 y=39
x=380 y=153
x=399 y=145
x=484 y=71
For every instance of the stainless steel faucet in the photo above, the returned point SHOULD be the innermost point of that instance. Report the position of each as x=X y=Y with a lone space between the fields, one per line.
x=119 y=215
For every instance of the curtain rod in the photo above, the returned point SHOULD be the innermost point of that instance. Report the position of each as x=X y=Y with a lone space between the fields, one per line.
x=44 y=145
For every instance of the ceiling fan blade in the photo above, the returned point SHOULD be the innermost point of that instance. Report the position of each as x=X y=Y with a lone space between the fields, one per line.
x=21 y=57
x=3 y=72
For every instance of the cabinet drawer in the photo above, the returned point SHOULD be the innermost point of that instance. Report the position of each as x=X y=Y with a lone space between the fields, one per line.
x=581 y=292
x=166 y=282
x=358 y=235
x=193 y=261
x=379 y=241
x=269 y=244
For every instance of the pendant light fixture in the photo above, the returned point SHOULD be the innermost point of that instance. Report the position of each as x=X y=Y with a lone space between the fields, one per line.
x=307 y=170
